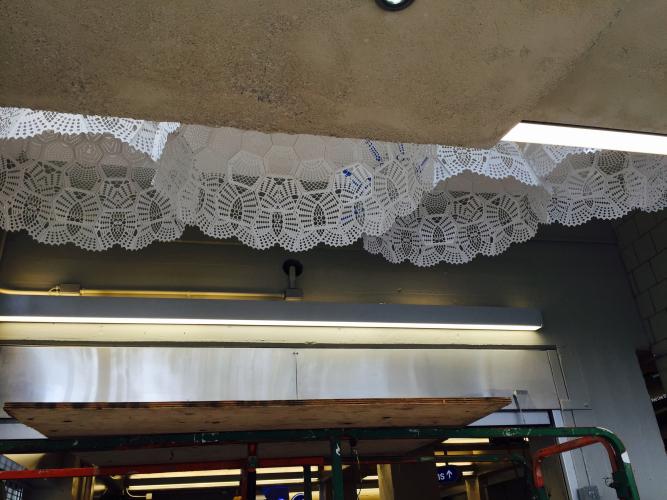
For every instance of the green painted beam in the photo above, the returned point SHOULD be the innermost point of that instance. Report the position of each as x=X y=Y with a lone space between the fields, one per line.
x=307 y=483
x=110 y=443
x=337 y=468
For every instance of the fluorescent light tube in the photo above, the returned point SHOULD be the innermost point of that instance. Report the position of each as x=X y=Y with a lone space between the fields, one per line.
x=182 y=474
x=32 y=309
x=211 y=484
x=466 y=441
x=183 y=486
x=258 y=322
x=564 y=135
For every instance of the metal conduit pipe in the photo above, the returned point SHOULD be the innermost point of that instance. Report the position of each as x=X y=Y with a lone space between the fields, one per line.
x=75 y=290
x=69 y=290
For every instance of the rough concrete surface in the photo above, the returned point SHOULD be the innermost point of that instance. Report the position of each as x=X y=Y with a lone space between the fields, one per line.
x=442 y=71
x=622 y=81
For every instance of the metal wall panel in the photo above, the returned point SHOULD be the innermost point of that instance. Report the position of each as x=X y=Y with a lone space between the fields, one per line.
x=116 y=374
x=88 y=374
x=356 y=373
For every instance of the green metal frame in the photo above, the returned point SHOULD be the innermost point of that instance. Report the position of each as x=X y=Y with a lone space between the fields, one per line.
x=337 y=468
x=307 y=483
x=623 y=480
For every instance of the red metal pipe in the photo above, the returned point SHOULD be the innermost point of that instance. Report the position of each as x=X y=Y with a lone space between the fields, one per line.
x=290 y=462
x=573 y=444
x=252 y=457
x=125 y=470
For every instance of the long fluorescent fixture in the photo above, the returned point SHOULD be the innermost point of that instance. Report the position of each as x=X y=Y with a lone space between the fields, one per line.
x=40 y=309
x=466 y=441
x=564 y=135
x=217 y=472
x=182 y=486
x=212 y=484
x=182 y=474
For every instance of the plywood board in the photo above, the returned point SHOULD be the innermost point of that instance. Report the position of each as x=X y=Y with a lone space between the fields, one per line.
x=95 y=419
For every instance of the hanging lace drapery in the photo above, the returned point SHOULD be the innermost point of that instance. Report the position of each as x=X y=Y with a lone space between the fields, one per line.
x=423 y=204
x=145 y=136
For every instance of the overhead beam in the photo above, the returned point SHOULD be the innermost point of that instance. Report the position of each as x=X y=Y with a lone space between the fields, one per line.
x=110 y=443
x=459 y=73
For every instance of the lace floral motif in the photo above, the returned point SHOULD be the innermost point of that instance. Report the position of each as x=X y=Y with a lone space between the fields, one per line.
x=422 y=204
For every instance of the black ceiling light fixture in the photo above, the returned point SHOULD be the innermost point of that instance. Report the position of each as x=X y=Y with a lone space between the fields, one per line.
x=394 y=4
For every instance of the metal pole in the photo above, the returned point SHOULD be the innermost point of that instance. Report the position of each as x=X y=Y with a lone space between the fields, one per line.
x=623 y=479
x=251 y=473
x=336 y=469
x=538 y=458
x=307 y=483
x=243 y=485
x=321 y=483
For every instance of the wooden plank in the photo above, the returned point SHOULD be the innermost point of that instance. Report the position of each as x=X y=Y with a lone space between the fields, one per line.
x=94 y=419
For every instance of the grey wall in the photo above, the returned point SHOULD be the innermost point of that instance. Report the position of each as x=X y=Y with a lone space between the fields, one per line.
x=642 y=238
x=576 y=278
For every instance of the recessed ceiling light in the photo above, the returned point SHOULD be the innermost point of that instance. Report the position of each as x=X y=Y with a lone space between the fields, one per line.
x=394 y=4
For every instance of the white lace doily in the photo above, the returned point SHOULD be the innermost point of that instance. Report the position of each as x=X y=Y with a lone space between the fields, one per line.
x=145 y=136
x=423 y=204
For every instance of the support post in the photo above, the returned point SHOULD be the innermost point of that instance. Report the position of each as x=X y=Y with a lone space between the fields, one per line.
x=336 y=469
x=472 y=488
x=324 y=486
x=307 y=483
x=243 y=485
x=250 y=473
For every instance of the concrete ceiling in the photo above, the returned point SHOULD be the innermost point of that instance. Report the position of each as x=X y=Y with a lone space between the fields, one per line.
x=620 y=82
x=442 y=71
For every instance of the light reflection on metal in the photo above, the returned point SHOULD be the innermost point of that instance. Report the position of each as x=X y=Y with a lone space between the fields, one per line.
x=145 y=374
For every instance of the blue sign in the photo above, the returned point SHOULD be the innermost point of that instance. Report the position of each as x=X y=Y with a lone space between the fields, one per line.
x=448 y=474
x=276 y=492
